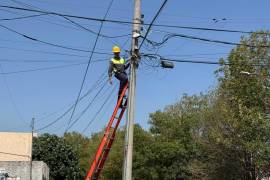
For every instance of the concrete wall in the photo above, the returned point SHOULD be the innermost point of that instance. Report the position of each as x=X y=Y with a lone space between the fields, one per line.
x=15 y=146
x=21 y=170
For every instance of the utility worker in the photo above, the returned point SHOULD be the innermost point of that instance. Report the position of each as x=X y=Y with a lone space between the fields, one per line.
x=118 y=65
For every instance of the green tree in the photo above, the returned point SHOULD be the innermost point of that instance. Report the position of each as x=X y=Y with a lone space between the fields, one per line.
x=175 y=131
x=237 y=129
x=248 y=100
x=79 y=144
x=223 y=134
x=114 y=165
x=58 y=155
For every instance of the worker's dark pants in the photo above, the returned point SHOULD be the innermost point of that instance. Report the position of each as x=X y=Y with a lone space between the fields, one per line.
x=123 y=78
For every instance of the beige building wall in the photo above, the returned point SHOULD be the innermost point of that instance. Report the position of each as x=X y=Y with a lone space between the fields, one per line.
x=15 y=146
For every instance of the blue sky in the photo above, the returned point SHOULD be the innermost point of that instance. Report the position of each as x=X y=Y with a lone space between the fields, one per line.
x=40 y=93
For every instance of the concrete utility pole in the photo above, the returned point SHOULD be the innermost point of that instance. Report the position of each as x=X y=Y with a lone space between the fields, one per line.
x=127 y=168
x=31 y=155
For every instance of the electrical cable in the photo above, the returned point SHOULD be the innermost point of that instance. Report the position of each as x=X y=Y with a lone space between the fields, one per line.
x=152 y=22
x=34 y=7
x=76 y=24
x=169 y=36
x=71 y=21
x=160 y=58
x=35 y=61
x=23 y=4
x=88 y=106
x=62 y=23
x=46 y=61
x=48 y=68
x=42 y=69
x=70 y=108
x=129 y=22
x=92 y=88
x=208 y=62
x=99 y=110
x=23 y=17
x=108 y=38
x=41 y=41
x=93 y=32
x=43 y=19
x=52 y=52
x=11 y=96
x=86 y=71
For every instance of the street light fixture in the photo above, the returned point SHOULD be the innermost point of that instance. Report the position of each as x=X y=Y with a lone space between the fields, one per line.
x=254 y=74
x=167 y=64
x=247 y=73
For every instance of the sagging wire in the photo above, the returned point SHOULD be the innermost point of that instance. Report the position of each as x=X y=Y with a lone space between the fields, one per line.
x=85 y=109
x=95 y=86
x=169 y=36
x=99 y=110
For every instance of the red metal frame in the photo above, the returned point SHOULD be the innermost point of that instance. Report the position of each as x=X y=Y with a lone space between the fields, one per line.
x=107 y=140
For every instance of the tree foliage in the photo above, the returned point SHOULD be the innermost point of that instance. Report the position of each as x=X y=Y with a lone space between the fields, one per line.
x=79 y=144
x=223 y=134
x=58 y=155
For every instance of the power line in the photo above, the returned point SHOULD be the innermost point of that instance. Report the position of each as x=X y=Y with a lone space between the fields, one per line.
x=43 y=19
x=57 y=119
x=22 y=3
x=36 y=43
x=36 y=61
x=169 y=36
x=151 y=24
x=155 y=61
x=73 y=22
x=46 y=61
x=57 y=23
x=194 y=62
x=42 y=69
x=196 y=54
x=93 y=32
x=108 y=38
x=47 y=43
x=205 y=62
x=100 y=109
x=88 y=106
x=11 y=12
x=41 y=41
x=52 y=52
x=11 y=97
x=31 y=6
x=96 y=85
x=48 y=68
x=129 y=22
x=86 y=71
x=23 y=17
